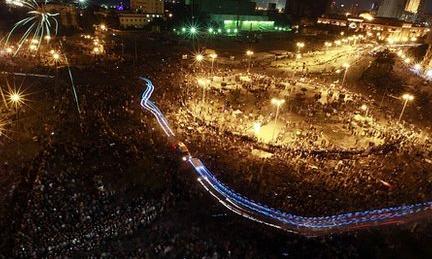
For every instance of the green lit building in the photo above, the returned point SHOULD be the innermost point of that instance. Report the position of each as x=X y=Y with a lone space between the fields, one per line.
x=232 y=15
x=243 y=22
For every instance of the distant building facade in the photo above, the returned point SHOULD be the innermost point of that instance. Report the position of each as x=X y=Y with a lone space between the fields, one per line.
x=147 y=6
x=135 y=20
x=386 y=28
x=413 y=6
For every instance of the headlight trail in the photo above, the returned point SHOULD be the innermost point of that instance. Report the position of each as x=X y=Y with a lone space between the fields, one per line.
x=308 y=226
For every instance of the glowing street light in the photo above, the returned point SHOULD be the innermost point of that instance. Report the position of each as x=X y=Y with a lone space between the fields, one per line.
x=56 y=56
x=278 y=103
x=213 y=56
x=249 y=53
x=407 y=98
x=15 y=98
x=429 y=74
x=346 y=66
x=407 y=60
x=300 y=45
x=257 y=127
x=204 y=83
x=365 y=108
x=418 y=67
x=199 y=58
x=327 y=45
x=193 y=30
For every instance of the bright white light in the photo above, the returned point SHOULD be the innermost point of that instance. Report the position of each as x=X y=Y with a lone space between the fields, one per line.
x=417 y=67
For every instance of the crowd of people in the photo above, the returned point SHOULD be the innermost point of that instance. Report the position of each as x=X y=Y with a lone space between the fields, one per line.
x=373 y=154
x=102 y=180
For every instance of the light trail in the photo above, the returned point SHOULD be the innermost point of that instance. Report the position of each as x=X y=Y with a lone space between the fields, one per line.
x=308 y=226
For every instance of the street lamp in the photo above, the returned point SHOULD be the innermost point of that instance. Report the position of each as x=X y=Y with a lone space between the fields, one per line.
x=203 y=83
x=429 y=74
x=346 y=66
x=327 y=45
x=56 y=57
x=257 y=127
x=213 y=56
x=278 y=103
x=365 y=108
x=300 y=45
x=418 y=67
x=407 y=98
x=16 y=99
x=249 y=53
x=199 y=58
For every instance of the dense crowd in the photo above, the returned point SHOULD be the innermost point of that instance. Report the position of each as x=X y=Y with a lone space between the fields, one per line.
x=375 y=170
x=103 y=183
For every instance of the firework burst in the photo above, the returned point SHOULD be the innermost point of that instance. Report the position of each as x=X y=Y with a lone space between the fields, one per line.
x=38 y=25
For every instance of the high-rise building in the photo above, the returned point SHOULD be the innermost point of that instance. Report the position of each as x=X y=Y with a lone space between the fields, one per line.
x=412 y=6
x=391 y=8
x=147 y=6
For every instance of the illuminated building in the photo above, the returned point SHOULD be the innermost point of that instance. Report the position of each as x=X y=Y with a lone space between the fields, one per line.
x=386 y=28
x=136 y=20
x=147 y=6
x=412 y=6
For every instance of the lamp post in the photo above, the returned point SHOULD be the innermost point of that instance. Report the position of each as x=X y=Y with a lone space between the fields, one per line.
x=249 y=53
x=300 y=45
x=203 y=83
x=199 y=58
x=278 y=103
x=213 y=56
x=365 y=108
x=16 y=99
x=346 y=66
x=407 y=98
x=257 y=129
x=56 y=58
x=327 y=45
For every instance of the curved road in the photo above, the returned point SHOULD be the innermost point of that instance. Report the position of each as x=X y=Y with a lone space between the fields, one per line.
x=308 y=226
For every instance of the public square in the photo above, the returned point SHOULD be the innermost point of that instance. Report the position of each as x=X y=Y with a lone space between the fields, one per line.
x=181 y=144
